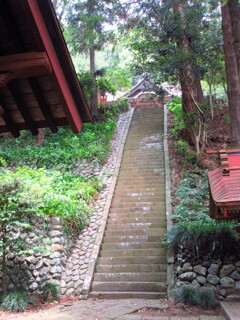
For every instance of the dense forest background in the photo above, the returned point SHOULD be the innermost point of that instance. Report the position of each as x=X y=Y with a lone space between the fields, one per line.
x=114 y=43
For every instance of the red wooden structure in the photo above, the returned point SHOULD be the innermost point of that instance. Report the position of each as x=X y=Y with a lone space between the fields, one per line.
x=38 y=84
x=224 y=185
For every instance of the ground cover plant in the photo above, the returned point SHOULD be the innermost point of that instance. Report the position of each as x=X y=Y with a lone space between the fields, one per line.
x=59 y=151
x=204 y=298
x=193 y=228
x=39 y=181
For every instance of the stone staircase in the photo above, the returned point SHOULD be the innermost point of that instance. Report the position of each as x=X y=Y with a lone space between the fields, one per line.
x=132 y=261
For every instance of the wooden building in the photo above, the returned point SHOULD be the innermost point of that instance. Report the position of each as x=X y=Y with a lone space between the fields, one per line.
x=38 y=84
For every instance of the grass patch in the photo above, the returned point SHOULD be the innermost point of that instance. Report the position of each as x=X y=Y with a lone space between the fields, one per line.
x=15 y=301
x=204 y=297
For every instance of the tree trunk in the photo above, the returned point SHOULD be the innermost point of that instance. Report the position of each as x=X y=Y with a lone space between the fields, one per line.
x=192 y=93
x=94 y=95
x=231 y=27
x=40 y=136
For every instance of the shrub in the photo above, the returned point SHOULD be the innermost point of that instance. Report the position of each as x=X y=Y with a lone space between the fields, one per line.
x=51 y=292
x=175 y=106
x=192 y=196
x=181 y=147
x=51 y=193
x=15 y=301
x=60 y=151
x=204 y=297
x=203 y=236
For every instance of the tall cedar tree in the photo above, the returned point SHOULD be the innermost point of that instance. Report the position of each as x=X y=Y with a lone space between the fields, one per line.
x=86 y=28
x=231 y=40
x=169 y=41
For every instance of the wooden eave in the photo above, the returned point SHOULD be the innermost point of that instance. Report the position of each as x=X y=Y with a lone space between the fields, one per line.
x=38 y=84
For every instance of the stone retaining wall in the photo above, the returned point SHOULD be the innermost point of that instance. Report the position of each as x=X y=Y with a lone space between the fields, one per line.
x=65 y=261
x=223 y=277
x=32 y=272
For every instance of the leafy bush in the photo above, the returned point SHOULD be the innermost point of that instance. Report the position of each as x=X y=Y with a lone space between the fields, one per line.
x=51 y=292
x=203 y=236
x=104 y=85
x=112 y=110
x=193 y=228
x=87 y=82
x=204 y=297
x=59 y=151
x=181 y=147
x=192 y=196
x=227 y=119
x=15 y=301
x=51 y=193
x=175 y=106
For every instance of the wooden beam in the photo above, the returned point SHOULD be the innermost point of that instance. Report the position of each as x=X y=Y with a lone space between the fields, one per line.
x=22 y=108
x=42 y=104
x=25 y=65
x=64 y=91
x=8 y=120
x=5 y=78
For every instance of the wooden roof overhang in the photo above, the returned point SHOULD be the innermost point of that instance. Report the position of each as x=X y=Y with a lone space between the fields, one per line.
x=38 y=84
x=224 y=184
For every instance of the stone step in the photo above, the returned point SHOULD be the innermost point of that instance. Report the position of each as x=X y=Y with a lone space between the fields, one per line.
x=141 y=231
x=136 y=225
x=129 y=286
x=133 y=169
x=129 y=180
x=133 y=260
x=105 y=268
x=140 y=173
x=127 y=215
x=141 y=220
x=140 y=177
x=131 y=276
x=133 y=238
x=158 y=203
x=141 y=185
x=145 y=153
x=136 y=191
x=133 y=252
x=142 y=159
x=132 y=245
x=127 y=295
x=156 y=209
x=138 y=198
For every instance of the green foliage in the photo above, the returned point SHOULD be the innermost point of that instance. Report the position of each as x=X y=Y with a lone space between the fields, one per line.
x=192 y=198
x=181 y=147
x=51 y=292
x=204 y=297
x=60 y=151
x=179 y=123
x=227 y=119
x=206 y=236
x=15 y=301
x=86 y=24
x=193 y=228
x=51 y=193
x=112 y=110
x=14 y=211
x=104 y=85
x=87 y=83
